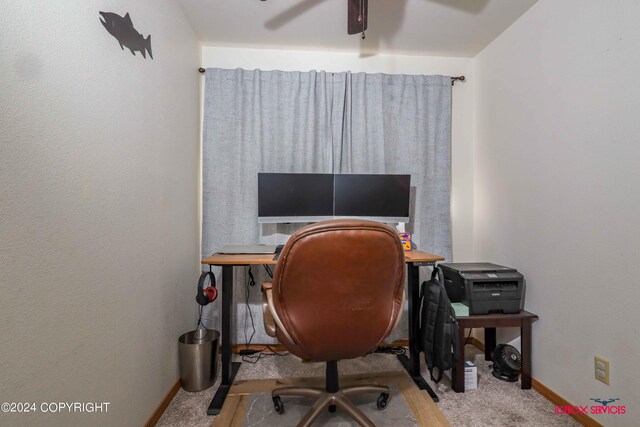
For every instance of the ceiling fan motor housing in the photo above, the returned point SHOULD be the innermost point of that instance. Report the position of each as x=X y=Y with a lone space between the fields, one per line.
x=357 y=16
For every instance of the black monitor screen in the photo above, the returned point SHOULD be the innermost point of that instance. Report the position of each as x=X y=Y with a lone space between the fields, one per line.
x=379 y=196
x=284 y=197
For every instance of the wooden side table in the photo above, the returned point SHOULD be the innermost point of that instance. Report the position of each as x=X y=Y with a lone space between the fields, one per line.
x=490 y=322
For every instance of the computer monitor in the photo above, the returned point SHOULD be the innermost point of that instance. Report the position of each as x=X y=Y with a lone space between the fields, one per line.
x=294 y=197
x=302 y=197
x=382 y=198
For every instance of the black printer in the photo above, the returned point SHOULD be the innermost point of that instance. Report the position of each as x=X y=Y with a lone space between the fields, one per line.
x=484 y=287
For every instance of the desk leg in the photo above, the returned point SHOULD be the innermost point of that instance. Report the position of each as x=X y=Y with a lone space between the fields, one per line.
x=489 y=342
x=412 y=363
x=525 y=334
x=229 y=369
x=457 y=372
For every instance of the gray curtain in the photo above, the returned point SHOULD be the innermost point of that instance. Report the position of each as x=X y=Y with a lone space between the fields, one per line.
x=275 y=121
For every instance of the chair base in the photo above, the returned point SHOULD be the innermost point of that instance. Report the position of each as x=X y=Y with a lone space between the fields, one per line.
x=331 y=398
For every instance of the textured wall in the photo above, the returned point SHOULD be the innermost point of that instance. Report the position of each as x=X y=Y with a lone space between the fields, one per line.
x=557 y=188
x=98 y=200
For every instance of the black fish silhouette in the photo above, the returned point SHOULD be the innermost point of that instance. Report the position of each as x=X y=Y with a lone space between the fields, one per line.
x=122 y=29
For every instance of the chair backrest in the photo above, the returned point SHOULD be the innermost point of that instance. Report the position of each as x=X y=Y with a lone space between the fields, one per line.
x=338 y=287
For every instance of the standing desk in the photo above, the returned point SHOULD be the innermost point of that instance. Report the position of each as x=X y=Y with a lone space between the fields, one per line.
x=414 y=260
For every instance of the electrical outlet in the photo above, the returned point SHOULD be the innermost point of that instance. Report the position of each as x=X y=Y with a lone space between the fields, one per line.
x=601 y=369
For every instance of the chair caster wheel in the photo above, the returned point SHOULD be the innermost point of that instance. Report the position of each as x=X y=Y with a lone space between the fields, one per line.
x=332 y=408
x=278 y=405
x=382 y=401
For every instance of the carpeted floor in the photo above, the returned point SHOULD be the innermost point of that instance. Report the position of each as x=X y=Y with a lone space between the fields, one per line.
x=494 y=403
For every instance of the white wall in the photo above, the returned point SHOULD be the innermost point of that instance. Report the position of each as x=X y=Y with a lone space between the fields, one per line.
x=98 y=197
x=462 y=113
x=557 y=187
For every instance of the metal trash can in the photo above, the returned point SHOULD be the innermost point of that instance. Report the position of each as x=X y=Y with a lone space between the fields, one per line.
x=197 y=353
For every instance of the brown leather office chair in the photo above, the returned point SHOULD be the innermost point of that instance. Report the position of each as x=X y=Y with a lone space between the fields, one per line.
x=337 y=293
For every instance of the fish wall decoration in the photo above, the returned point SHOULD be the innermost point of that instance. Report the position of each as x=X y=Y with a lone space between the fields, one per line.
x=122 y=29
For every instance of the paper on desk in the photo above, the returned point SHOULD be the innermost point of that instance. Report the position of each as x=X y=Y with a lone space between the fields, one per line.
x=460 y=309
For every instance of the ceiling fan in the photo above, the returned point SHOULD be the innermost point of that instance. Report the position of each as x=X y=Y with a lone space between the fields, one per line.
x=357 y=11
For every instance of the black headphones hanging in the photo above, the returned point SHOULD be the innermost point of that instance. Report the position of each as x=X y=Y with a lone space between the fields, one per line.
x=210 y=293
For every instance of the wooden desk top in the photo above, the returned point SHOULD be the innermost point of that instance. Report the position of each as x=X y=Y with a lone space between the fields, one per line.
x=419 y=256
x=256 y=259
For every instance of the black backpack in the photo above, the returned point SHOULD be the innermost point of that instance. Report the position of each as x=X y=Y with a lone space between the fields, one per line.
x=438 y=327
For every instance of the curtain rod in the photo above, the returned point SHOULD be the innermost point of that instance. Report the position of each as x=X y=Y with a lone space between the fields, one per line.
x=453 y=79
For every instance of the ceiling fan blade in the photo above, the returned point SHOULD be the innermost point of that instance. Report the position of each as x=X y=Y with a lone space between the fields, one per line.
x=291 y=13
x=357 y=16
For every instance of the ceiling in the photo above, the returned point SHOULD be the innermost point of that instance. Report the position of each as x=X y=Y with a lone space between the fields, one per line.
x=414 y=27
